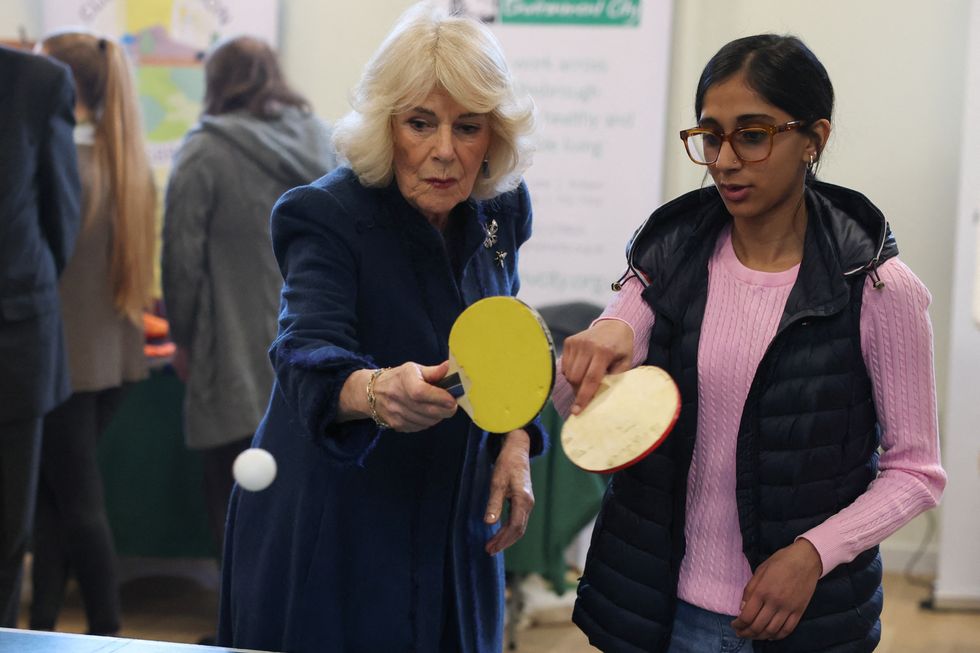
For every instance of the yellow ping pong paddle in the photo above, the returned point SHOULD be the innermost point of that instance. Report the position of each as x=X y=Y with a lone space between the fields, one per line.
x=629 y=416
x=501 y=363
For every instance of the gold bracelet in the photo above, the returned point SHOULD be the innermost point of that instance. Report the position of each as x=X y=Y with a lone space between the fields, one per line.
x=373 y=400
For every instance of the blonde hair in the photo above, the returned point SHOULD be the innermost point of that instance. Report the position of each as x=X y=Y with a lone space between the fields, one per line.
x=426 y=50
x=104 y=86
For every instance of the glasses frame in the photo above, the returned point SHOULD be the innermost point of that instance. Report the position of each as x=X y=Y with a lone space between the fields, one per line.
x=771 y=129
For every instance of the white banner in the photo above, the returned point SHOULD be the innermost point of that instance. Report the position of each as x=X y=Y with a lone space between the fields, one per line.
x=597 y=70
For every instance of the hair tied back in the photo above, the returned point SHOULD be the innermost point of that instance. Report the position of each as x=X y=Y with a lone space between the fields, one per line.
x=102 y=44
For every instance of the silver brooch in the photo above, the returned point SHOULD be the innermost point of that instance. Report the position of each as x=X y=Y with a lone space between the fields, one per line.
x=491 y=231
x=499 y=257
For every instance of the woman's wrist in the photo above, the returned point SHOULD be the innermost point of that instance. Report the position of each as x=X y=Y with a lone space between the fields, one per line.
x=353 y=403
x=372 y=398
x=518 y=438
x=612 y=321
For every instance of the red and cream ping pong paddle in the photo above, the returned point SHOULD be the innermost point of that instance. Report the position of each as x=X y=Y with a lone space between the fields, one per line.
x=629 y=416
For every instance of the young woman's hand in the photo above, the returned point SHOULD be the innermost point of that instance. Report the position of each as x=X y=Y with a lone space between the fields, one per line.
x=780 y=590
x=511 y=481
x=588 y=356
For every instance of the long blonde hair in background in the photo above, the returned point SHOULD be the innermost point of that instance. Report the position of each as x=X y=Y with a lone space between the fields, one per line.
x=104 y=86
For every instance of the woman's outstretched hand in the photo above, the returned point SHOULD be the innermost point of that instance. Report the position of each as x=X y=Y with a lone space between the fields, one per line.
x=404 y=397
x=774 y=600
x=407 y=400
x=511 y=481
x=588 y=356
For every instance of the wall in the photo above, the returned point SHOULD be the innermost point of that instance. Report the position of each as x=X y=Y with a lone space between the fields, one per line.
x=958 y=582
x=19 y=14
x=326 y=44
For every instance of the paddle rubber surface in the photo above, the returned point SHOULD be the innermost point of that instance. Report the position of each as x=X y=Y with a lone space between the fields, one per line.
x=501 y=363
x=629 y=416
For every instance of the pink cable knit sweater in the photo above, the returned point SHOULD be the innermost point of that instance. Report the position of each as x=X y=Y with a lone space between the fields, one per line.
x=741 y=317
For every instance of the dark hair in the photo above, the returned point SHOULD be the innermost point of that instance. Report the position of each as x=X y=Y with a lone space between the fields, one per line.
x=779 y=68
x=243 y=73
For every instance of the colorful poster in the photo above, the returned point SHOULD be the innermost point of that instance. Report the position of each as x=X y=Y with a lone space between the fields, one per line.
x=597 y=70
x=166 y=40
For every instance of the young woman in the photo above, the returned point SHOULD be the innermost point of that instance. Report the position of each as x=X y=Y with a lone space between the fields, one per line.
x=801 y=344
x=104 y=290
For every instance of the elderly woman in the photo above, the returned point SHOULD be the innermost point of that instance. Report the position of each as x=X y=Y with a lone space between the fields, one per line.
x=382 y=529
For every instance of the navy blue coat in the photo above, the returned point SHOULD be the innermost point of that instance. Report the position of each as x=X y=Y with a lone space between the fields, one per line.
x=368 y=540
x=39 y=220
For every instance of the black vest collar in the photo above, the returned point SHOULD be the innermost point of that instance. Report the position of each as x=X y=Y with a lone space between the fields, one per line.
x=846 y=236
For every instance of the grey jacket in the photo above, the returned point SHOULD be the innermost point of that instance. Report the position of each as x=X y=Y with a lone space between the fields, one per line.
x=220 y=279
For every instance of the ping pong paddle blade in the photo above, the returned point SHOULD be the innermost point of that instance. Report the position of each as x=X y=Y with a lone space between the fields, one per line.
x=629 y=416
x=502 y=363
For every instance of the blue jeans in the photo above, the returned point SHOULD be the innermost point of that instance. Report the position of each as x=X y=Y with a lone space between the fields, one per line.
x=700 y=631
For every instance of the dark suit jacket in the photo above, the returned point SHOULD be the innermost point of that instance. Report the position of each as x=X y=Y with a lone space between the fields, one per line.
x=39 y=219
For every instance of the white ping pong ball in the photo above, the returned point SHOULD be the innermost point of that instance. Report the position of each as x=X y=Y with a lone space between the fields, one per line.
x=254 y=469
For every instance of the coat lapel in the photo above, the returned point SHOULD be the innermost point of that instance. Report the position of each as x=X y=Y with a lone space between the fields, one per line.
x=424 y=247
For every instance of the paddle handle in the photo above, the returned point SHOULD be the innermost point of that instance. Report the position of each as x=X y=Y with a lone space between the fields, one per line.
x=453 y=384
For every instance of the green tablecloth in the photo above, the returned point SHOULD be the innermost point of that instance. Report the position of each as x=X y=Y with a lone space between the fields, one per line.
x=153 y=483
x=566 y=499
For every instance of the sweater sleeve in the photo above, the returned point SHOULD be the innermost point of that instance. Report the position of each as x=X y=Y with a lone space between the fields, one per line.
x=626 y=306
x=897 y=346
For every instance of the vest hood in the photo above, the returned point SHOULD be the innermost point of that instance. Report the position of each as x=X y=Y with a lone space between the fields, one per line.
x=846 y=235
x=856 y=228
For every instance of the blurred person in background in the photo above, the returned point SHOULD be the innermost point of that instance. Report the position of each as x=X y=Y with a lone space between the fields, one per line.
x=39 y=221
x=256 y=139
x=104 y=290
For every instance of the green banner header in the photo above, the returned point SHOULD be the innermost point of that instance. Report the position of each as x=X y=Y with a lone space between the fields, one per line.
x=571 y=12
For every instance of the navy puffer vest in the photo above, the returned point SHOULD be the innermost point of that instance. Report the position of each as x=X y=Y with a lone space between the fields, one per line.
x=807 y=442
